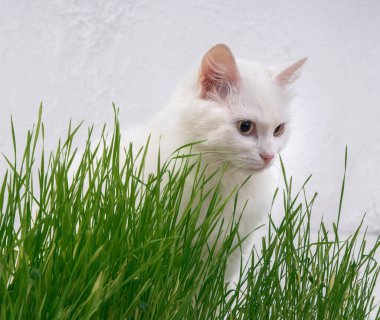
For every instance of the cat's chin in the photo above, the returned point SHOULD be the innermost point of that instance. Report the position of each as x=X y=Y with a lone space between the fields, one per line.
x=253 y=169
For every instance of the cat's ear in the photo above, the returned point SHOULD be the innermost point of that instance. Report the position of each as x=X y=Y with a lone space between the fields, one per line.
x=289 y=74
x=218 y=72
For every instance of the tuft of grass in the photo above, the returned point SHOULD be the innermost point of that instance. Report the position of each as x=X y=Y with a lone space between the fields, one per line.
x=101 y=241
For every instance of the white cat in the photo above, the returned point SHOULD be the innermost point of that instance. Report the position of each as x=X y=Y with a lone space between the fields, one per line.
x=241 y=111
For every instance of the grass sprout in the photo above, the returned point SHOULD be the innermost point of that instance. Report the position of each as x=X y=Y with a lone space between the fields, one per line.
x=85 y=235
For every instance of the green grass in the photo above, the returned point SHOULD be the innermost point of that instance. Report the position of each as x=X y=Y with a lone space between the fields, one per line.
x=106 y=243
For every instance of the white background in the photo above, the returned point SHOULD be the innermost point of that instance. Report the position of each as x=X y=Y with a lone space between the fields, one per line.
x=77 y=57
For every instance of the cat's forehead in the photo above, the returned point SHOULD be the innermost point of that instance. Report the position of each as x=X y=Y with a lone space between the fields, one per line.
x=260 y=99
x=261 y=113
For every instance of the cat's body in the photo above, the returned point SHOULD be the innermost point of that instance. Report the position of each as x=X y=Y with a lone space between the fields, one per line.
x=240 y=110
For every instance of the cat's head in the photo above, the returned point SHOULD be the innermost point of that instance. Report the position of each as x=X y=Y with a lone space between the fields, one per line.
x=242 y=110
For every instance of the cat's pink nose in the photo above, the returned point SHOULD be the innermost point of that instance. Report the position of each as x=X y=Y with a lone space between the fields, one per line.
x=266 y=157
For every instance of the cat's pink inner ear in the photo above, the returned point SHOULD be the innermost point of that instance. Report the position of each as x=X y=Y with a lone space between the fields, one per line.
x=218 y=72
x=290 y=74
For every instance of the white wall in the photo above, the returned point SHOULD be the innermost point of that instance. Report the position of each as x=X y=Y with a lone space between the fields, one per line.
x=79 y=56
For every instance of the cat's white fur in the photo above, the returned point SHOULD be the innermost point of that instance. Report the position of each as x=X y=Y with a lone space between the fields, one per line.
x=249 y=92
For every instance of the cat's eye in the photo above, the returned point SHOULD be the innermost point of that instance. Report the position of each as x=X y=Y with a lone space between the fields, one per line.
x=246 y=127
x=279 y=130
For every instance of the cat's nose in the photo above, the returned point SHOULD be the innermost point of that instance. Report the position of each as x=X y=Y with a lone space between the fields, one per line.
x=266 y=157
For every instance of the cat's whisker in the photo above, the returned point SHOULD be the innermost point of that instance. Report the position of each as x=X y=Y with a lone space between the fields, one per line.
x=236 y=169
x=235 y=159
x=219 y=152
x=218 y=162
x=278 y=169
